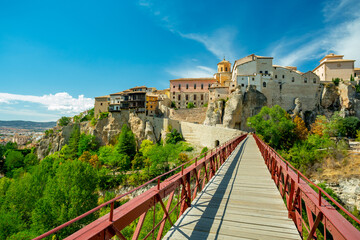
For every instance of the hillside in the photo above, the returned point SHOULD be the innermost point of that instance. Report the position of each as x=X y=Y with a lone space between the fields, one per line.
x=27 y=125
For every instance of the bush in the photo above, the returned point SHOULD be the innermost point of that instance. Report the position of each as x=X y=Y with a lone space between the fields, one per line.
x=173 y=105
x=64 y=121
x=173 y=137
x=103 y=115
x=336 y=81
x=190 y=105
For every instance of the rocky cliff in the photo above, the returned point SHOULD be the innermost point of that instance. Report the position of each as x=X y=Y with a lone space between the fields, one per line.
x=105 y=130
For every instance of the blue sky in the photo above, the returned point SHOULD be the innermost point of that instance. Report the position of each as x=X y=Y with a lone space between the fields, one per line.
x=56 y=56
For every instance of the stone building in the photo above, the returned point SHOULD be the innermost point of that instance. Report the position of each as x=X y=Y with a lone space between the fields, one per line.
x=186 y=90
x=223 y=76
x=101 y=105
x=280 y=85
x=335 y=66
x=151 y=104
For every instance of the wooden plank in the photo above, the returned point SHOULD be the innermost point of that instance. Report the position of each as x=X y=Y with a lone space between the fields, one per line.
x=240 y=202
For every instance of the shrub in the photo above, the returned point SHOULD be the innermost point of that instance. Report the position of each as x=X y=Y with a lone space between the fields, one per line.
x=190 y=105
x=64 y=121
x=103 y=115
x=336 y=81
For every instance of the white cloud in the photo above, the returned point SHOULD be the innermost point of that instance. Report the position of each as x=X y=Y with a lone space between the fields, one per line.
x=61 y=102
x=341 y=37
x=219 y=43
x=191 y=72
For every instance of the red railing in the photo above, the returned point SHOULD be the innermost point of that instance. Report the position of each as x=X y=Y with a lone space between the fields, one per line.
x=304 y=203
x=184 y=185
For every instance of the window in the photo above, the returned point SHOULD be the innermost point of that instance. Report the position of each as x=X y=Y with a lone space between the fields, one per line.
x=354 y=74
x=174 y=86
x=264 y=84
x=209 y=85
x=101 y=104
x=202 y=97
x=202 y=86
x=179 y=97
x=283 y=76
x=179 y=86
x=253 y=79
x=260 y=71
x=275 y=76
x=187 y=97
x=218 y=95
x=221 y=69
x=293 y=79
x=314 y=80
x=174 y=97
x=305 y=80
x=187 y=86
x=194 y=97
x=225 y=69
x=194 y=86
x=266 y=72
x=242 y=84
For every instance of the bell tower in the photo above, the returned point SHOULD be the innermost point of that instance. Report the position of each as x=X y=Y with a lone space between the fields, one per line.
x=224 y=72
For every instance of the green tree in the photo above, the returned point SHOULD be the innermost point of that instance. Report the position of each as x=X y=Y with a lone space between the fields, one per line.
x=14 y=159
x=173 y=137
x=275 y=126
x=72 y=151
x=126 y=142
x=349 y=126
x=64 y=121
x=70 y=193
x=87 y=142
x=31 y=159
x=352 y=78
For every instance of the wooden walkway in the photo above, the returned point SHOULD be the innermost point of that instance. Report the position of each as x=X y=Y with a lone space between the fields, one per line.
x=240 y=202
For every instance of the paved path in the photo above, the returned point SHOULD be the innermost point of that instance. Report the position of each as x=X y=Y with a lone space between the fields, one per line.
x=240 y=202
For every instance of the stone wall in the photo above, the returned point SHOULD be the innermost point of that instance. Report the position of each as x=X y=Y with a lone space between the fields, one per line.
x=194 y=115
x=197 y=134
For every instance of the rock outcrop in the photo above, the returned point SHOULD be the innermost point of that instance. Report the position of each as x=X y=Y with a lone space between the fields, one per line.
x=214 y=113
x=253 y=101
x=233 y=109
x=149 y=132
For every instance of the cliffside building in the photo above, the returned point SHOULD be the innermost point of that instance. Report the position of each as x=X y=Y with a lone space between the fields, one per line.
x=151 y=104
x=280 y=85
x=101 y=105
x=195 y=90
x=335 y=66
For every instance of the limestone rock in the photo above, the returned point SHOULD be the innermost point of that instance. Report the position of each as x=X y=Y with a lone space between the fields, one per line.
x=214 y=113
x=330 y=97
x=149 y=132
x=253 y=101
x=233 y=109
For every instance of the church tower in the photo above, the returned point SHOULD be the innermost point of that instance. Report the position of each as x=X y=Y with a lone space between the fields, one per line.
x=223 y=76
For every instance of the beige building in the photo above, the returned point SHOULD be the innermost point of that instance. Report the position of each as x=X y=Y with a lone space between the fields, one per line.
x=223 y=76
x=335 y=66
x=101 y=105
x=280 y=85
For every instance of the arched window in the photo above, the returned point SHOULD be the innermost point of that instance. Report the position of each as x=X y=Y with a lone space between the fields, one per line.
x=187 y=86
x=202 y=86
x=314 y=80
x=194 y=86
x=225 y=69
x=264 y=84
x=305 y=80
x=179 y=86
x=293 y=79
x=221 y=69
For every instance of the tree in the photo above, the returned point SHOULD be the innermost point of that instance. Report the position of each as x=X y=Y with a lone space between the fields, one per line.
x=73 y=146
x=300 y=129
x=70 y=193
x=173 y=137
x=275 y=126
x=352 y=78
x=31 y=159
x=349 y=126
x=126 y=142
x=319 y=125
x=64 y=121
x=85 y=157
x=14 y=159
x=87 y=143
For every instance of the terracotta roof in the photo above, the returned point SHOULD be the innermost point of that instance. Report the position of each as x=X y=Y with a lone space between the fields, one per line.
x=192 y=79
x=138 y=87
x=118 y=93
x=333 y=61
x=106 y=96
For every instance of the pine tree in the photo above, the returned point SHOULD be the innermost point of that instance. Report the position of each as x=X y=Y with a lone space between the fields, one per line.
x=126 y=142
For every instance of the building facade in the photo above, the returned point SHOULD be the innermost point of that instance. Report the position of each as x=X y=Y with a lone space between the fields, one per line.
x=280 y=85
x=101 y=105
x=194 y=90
x=223 y=75
x=335 y=66
x=151 y=104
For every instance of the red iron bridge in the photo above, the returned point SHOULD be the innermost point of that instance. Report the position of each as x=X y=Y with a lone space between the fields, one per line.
x=242 y=189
